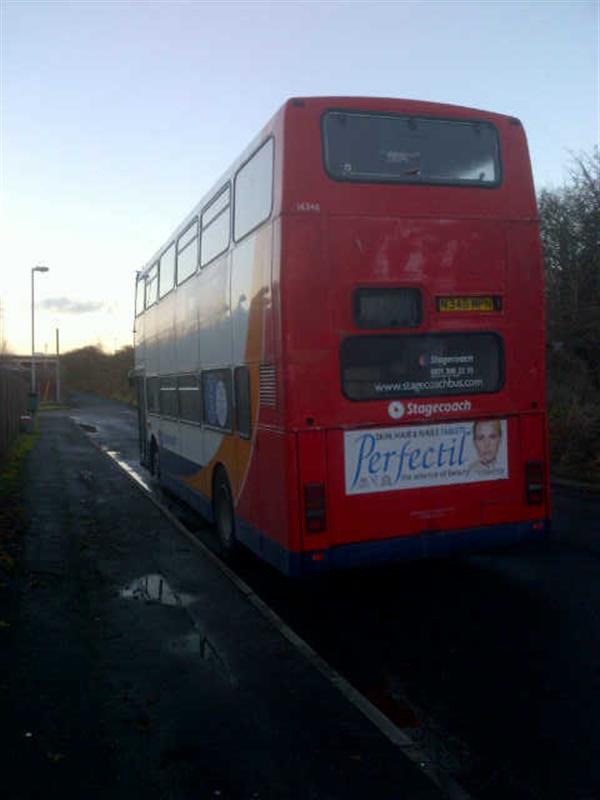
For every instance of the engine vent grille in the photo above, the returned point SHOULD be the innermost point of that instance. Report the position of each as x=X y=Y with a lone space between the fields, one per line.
x=268 y=385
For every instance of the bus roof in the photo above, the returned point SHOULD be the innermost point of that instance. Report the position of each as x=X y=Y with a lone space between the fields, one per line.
x=322 y=103
x=398 y=105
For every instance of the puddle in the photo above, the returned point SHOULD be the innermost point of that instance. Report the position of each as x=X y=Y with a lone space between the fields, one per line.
x=155 y=589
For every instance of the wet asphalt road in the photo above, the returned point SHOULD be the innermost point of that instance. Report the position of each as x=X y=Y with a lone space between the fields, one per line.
x=492 y=662
x=132 y=667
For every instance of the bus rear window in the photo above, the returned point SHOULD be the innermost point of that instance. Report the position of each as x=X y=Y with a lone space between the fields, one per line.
x=387 y=308
x=381 y=367
x=400 y=149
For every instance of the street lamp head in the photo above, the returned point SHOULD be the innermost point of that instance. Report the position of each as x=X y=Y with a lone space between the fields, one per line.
x=40 y=269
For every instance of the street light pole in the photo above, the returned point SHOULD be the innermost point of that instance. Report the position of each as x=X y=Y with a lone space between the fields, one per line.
x=33 y=270
x=57 y=366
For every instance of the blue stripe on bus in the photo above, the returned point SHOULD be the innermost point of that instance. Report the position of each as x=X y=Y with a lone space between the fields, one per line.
x=426 y=545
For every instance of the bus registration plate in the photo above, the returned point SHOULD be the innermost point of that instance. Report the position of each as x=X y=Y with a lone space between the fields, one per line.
x=470 y=304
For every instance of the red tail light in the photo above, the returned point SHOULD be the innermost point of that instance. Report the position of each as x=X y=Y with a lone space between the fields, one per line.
x=314 y=507
x=534 y=482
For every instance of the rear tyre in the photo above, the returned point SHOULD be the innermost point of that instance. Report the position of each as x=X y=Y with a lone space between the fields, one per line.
x=223 y=512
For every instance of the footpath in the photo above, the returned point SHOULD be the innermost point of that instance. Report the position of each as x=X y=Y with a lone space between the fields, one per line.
x=135 y=668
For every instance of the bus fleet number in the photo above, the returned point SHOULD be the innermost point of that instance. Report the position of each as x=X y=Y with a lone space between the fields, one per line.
x=307 y=206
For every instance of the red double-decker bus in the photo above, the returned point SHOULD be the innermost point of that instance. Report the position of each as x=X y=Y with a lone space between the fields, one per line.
x=340 y=351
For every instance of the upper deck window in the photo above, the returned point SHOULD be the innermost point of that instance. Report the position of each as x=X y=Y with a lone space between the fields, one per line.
x=254 y=191
x=187 y=252
x=384 y=148
x=140 y=290
x=167 y=270
x=152 y=285
x=215 y=224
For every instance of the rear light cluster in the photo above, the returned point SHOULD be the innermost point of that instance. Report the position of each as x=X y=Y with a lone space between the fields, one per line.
x=534 y=482
x=314 y=507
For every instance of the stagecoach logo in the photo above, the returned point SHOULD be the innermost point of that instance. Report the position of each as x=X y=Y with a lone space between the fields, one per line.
x=396 y=409
x=432 y=409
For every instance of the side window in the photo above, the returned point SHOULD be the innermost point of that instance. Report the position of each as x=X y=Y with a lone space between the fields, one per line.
x=254 y=191
x=241 y=379
x=140 y=290
x=216 y=223
x=187 y=252
x=216 y=394
x=168 y=397
x=152 y=286
x=190 y=407
x=167 y=270
x=152 y=388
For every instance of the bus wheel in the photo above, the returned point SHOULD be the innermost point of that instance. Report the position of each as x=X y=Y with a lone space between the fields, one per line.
x=223 y=511
x=154 y=460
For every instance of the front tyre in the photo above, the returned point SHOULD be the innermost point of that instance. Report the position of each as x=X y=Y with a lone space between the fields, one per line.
x=223 y=512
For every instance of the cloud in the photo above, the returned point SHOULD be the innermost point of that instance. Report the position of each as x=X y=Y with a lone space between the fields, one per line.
x=65 y=305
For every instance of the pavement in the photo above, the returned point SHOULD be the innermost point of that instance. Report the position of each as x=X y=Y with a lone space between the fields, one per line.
x=136 y=668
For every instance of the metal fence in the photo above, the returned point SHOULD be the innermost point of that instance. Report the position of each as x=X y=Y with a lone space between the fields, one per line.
x=13 y=403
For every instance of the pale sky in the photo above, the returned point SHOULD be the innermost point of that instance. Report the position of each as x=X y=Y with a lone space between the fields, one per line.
x=117 y=116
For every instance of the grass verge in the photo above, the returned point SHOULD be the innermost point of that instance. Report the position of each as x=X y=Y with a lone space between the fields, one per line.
x=49 y=405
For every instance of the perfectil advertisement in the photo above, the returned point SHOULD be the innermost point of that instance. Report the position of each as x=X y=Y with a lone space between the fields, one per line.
x=389 y=459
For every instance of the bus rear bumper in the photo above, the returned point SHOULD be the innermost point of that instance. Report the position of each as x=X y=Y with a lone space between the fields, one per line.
x=441 y=544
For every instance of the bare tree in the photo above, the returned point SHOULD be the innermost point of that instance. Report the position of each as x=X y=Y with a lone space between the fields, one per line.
x=570 y=231
x=91 y=370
